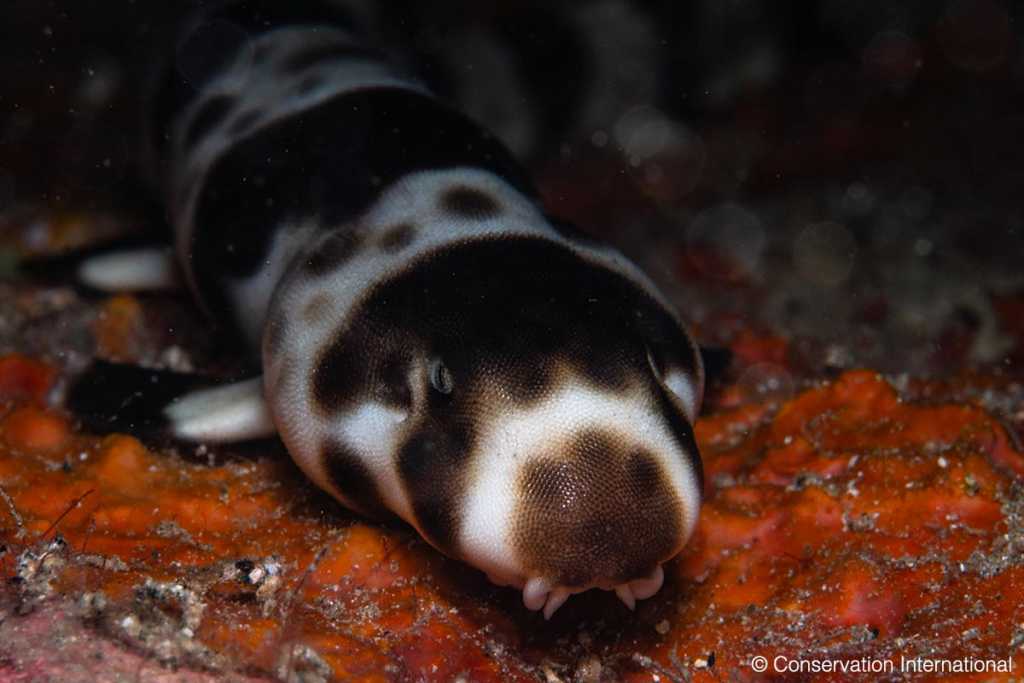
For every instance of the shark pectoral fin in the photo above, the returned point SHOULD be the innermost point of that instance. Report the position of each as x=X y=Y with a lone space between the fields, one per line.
x=133 y=263
x=131 y=270
x=169 y=406
x=221 y=414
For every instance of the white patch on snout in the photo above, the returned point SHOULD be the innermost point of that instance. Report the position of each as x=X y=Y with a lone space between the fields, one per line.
x=510 y=441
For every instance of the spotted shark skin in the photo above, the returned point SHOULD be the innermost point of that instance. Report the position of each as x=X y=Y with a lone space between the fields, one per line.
x=433 y=347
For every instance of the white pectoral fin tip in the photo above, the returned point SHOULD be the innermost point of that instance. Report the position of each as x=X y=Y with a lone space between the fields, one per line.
x=234 y=412
x=131 y=270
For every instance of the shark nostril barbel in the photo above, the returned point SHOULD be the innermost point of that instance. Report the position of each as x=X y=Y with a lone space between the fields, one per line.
x=535 y=593
x=540 y=594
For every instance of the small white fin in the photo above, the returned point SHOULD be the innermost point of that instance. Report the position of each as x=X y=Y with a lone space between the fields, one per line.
x=131 y=270
x=234 y=412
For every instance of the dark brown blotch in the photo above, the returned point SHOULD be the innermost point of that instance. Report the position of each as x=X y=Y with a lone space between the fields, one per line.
x=338 y=376
x=611 y=371
x=353 y=479
x=316 y=309
x=390 y=382
x=397 y=238
x=601 y=510
x=470 y=202
x=332 y=252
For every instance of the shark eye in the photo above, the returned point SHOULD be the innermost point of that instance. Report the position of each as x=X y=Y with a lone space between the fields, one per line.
x=441 y=377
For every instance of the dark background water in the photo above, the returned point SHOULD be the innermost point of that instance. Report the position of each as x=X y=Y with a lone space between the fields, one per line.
x=847 y=175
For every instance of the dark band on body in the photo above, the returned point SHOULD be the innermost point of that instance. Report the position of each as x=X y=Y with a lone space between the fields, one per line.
x=552 y=59
x=560 y=306
x=333 y=161
x=350 y=476
x=212 y=38
x=432 y=467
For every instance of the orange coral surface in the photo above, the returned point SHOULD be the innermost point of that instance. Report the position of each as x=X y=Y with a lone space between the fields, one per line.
x=846 y=526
